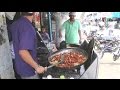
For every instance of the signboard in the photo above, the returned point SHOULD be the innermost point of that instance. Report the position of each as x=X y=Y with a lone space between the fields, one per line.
x=116 y=15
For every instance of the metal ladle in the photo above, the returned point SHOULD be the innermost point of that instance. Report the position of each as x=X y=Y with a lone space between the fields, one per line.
x=62 y=59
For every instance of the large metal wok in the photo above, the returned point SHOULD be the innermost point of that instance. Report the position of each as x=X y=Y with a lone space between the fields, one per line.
x=68 y=50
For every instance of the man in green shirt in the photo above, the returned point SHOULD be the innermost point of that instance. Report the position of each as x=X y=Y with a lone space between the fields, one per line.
x=72 y=30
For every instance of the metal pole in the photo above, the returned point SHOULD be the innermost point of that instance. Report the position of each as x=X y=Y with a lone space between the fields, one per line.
x=50 y=25
x=41 y=24
x=42 y=40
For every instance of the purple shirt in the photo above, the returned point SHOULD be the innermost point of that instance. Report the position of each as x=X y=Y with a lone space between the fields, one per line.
x=24 y=38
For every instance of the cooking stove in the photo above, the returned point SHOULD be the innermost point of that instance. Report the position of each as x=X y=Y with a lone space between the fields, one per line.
x=57 y=72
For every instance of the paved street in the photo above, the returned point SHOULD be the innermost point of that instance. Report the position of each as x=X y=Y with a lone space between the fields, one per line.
x=108 y=68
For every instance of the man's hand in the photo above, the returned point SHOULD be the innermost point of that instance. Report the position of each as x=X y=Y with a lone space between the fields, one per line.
x=40 y=69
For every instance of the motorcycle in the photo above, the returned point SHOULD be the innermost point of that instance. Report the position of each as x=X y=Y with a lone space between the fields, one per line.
x=102 y=45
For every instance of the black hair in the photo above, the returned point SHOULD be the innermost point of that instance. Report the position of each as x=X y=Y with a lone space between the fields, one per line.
x=17 y=16
x=26 y=14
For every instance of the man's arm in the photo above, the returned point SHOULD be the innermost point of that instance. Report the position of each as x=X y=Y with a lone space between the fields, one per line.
x=25 y=55
x=79 y=31
x=60 y=33
x=61 y=29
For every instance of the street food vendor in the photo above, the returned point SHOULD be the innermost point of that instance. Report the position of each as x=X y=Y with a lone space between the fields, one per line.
x=72 y=30
x=24 y=42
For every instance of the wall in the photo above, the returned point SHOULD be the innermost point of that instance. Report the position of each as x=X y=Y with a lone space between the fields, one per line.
x=6 y=66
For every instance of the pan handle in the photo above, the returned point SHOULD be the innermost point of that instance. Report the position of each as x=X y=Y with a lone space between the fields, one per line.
x=50 y=66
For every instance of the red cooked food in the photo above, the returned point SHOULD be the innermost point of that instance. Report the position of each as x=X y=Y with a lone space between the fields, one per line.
x=70 y=59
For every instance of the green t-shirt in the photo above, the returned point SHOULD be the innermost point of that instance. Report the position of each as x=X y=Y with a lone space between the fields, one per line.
x=71 y=31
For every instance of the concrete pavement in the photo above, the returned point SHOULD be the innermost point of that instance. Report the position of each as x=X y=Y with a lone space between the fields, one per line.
x=108 y=68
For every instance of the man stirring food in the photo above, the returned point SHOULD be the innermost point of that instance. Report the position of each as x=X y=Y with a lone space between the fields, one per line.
x=24 y=42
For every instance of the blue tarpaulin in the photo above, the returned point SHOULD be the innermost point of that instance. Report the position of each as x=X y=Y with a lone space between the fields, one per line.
x=116 y=15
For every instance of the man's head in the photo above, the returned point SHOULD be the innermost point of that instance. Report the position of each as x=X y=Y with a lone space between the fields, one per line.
x=29 y=15
x=72 y=15
x=43 y=29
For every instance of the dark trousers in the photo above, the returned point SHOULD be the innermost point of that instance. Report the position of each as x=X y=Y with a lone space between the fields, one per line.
x=16 y=75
